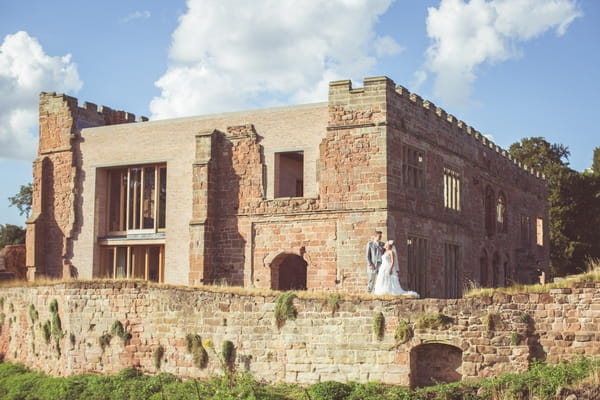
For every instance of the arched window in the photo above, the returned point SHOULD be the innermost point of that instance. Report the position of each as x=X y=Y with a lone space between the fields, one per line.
x=288 y=272
x=490 y=212
x=501 y=212
x=433 y=363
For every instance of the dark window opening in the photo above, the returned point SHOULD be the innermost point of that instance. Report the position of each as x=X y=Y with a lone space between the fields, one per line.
x=288 y=272
x=413 y=161
x=418 y=256
x=490 y=212
x=452 y=270
x=289 y=174
x=435 y=363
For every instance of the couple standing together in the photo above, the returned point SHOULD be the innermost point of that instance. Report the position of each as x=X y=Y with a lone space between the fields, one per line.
x=382 y=268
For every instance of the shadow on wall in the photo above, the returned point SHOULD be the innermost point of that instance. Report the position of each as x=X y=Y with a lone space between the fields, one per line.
x=434 y=363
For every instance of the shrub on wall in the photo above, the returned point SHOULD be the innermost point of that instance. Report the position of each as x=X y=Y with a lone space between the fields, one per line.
x=193 y=344
x=333 y=303
x=378 y=325
x=403 y=332
x=285 y=309
x=157 y=356
x=436 y=321
x=228 y=354
x=118 y=330
x=493 y=321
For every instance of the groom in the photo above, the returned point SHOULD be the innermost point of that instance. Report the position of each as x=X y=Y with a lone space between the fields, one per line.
x=374 y=252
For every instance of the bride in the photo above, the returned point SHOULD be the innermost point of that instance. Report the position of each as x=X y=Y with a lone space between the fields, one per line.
x=387 y=279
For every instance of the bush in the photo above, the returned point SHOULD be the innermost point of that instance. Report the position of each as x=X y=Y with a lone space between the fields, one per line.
x=329 y=390
x=285 y=309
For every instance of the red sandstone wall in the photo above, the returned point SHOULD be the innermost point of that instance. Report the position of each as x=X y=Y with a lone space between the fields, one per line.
x=319 y=345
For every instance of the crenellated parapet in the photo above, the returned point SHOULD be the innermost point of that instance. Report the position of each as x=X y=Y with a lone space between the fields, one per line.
x=441 y=122
x=381 y=102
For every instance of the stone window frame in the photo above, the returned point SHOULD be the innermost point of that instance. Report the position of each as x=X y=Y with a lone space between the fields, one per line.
x=298 y=187
x=413 y=167
x=501 y=221
x=452 y=189
x=539 y=231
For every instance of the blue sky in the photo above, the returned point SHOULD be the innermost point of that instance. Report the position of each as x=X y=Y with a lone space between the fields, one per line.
x=509 y=68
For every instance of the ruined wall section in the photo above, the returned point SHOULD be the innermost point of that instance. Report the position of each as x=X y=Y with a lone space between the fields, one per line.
x=492 y=335
x=353 y=173
x=56 y=182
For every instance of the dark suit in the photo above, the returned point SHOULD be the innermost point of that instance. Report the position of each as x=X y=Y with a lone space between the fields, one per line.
x=374 y=252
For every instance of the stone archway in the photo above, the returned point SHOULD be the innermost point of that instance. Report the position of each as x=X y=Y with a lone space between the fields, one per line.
x=288 y=272
x=434 y=363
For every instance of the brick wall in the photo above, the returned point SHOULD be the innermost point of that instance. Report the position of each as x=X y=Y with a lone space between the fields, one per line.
x=319 y=345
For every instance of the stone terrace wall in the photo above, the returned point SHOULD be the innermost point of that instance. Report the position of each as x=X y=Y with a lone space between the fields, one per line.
x=319 y=345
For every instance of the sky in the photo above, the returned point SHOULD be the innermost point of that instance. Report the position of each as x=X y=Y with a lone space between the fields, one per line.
x=509 y=68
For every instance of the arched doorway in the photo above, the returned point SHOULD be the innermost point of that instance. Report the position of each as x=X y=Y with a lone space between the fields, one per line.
x=288 y=272
x=434 y=363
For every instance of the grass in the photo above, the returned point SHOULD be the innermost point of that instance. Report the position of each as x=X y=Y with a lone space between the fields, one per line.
x=592 y=275
x=541 y=382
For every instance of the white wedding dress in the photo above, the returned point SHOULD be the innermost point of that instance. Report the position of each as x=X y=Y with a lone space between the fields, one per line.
x=387 y=283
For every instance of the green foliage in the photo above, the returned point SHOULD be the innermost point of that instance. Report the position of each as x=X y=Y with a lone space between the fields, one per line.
x=542 y=381
x=157 y=356
x=33 y=314
x=333 y=303
x=403 y=332
x=11 y=234
x=515 y=339
x=22 y=200
x=2 y=318
x=436 y=321
x=574 y=203
x=118 y=330
x=493 y=321
x=228 y=353
x=46 y=332
x=378 y=325
x=193 y=344
x=1 y=301
x=104 y=341
x=53 y=307
x=285 y=309
x=524 y=318
x=329 y=390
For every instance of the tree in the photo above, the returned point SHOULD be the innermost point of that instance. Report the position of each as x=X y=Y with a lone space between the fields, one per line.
x=537 y=153
x=11 y=234
x=22 y=200
x=574 y=206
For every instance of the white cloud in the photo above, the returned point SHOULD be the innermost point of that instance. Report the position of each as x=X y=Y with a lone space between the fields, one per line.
x=137 y=15
x=229 y=55
x=25 y=71
x=465 y=35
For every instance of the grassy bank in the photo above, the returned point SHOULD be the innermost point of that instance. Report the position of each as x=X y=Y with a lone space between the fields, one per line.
x=541 y=382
